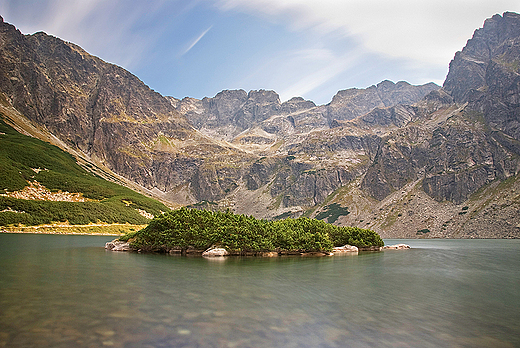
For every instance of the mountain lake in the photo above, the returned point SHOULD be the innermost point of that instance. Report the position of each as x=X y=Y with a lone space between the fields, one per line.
x=67 y=291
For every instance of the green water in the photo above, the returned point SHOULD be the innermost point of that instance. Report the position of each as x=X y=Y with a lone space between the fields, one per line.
x=67 y=291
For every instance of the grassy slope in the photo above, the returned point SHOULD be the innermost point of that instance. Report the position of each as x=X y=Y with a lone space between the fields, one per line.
x=106 y=202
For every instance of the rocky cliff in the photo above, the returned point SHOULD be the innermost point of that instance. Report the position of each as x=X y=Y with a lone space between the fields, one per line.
x=406 y=161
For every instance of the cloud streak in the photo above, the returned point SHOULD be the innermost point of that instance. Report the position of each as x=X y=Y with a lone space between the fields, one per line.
x=194 y=42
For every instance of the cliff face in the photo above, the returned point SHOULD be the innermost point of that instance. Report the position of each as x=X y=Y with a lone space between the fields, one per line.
x=485 y=74
x=406 y=161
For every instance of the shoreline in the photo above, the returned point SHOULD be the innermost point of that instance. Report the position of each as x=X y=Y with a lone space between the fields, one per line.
x=63 y=233
x=218 y=252
x=66 y=229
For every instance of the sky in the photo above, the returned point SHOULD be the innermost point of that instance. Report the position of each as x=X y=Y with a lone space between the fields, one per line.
x=305 y=48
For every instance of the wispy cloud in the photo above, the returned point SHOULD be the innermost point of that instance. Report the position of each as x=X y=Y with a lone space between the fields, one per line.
x=422 y=30
x=194 y=42
x=327 y=67
x=120 y=31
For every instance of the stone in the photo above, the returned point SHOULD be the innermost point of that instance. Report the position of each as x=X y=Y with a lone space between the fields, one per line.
x=346 y=249
x=215 y=252
x=396 y=247
x=117 y=245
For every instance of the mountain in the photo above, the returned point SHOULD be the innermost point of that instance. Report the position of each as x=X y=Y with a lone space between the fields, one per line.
x=406 y=161
x=105 y=115
x=230 y=114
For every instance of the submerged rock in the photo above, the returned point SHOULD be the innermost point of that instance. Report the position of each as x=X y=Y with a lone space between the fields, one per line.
x=396 y=247
x=370 y=248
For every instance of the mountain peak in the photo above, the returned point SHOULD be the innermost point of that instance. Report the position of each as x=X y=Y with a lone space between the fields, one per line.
x=497 y=42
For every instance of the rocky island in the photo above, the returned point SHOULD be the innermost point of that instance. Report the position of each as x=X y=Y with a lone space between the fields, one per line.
x=200 y=232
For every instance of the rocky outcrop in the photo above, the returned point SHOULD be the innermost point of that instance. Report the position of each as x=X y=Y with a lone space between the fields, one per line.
x=36 y=191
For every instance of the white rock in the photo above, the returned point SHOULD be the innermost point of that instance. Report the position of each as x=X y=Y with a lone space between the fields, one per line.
x=117 y=245
x=397 y=247
x=214 y=252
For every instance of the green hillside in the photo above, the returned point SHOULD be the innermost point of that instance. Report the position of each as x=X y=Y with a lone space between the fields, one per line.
x=25 y=160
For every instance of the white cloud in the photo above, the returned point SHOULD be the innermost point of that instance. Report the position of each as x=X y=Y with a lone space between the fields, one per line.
x=422 y=30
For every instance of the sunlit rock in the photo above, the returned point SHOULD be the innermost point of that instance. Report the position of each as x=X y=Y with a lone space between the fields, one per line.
x=215 y=252
x=117 y=245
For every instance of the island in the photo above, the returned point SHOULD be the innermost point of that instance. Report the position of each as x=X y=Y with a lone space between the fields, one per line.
x=201 y=232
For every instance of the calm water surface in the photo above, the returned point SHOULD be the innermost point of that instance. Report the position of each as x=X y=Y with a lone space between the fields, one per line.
x=67 y=291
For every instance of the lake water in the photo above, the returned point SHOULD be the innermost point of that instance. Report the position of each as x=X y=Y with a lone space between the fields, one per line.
x=67 y=291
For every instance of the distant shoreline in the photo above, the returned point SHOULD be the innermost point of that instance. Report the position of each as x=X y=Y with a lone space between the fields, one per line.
x=65 y=229
x=62 y=233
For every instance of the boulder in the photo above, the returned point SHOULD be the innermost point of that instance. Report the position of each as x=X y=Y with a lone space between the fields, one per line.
x=117 y=245
x=215 y=252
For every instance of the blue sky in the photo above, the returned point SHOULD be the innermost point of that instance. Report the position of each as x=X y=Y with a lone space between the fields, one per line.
x=308 y=48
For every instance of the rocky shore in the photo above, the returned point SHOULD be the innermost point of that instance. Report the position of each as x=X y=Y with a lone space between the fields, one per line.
x=117 y=245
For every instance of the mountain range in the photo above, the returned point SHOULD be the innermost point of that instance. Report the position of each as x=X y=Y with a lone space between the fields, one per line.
x=403 y=160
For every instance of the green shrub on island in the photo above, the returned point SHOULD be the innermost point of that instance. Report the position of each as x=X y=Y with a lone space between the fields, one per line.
x=185 y=228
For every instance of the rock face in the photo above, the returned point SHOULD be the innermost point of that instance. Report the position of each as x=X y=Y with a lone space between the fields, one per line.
x=490 y=63
x=406 y=161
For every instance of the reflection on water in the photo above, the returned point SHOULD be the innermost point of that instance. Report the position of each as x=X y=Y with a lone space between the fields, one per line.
x=64 y=291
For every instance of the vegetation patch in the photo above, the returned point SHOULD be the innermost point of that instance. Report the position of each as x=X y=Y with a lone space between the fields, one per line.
x=204 y=205
x=25 y=160
x=185 y=229
x=283 y=215
x=423 y=231
x=332 y=212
